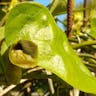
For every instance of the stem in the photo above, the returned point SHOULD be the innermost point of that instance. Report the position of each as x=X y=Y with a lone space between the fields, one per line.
x=86 y=43
x=87 y=55
x=9 y=88
x=3 y=20
x=4 y=3
x=60 y=21
x=92 y=65
x=21 y=0
x=52 y=8
x=69 y=17
x=92 y=61
x=85 y=13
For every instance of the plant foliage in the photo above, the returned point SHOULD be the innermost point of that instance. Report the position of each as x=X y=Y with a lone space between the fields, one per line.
x=32 y=38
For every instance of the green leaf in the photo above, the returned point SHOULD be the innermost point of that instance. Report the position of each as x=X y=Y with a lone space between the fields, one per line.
x=93 y=27
x=3 y=46
x=58 y=7
x=2 y=30
x=1 y=67
x=1 y=41
x=2 y=13
x=11 y=73
x=32 y=22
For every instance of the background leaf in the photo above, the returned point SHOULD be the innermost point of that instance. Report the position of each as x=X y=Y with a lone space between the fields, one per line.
x=2 y=30
x=93 y=27
x=58 y=7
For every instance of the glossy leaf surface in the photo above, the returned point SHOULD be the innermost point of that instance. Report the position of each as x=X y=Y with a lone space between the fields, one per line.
x=33 y=22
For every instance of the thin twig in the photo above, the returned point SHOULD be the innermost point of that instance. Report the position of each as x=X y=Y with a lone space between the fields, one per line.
x=86 y=43
x=34 y=69
x=4 y=3
x=87 y=55
x=50 y=82
x=9 y=88
x=3 y=20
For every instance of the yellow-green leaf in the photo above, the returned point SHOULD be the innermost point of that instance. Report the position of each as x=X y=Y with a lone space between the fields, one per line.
x=33 y=22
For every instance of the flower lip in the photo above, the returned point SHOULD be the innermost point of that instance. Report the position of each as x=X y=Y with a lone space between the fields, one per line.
x=24 y=54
